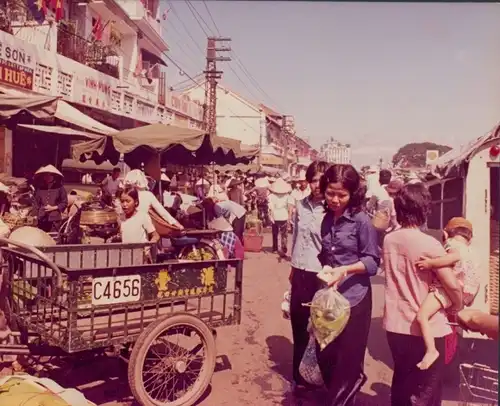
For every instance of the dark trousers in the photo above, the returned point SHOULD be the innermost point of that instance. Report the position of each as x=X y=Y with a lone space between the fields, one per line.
x=304 y=286
x=342 y=361
x=411 y=386
x=239 y=227
x=280 y=228
x=49 y=226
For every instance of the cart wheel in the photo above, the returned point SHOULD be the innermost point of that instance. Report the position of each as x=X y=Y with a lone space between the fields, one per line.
x=163 y=373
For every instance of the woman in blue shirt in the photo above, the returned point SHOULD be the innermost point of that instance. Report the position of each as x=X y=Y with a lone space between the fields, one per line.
x=350 y=247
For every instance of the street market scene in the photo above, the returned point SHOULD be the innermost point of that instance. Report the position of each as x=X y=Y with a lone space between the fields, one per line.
x=187 y=217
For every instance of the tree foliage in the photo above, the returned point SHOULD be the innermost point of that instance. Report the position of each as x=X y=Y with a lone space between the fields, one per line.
x=413 y=154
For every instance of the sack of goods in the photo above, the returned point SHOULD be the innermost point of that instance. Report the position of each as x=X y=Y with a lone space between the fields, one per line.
x=309 y=369
x=330 y=312
x=26 y=390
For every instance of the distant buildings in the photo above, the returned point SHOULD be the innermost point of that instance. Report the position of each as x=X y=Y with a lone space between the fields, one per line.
x=335 y=152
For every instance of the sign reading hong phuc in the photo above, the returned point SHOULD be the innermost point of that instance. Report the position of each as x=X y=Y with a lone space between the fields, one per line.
x=16 y=66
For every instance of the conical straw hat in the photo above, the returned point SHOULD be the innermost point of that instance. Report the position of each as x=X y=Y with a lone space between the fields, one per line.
x=280 y=187
x=220 y=224
x=49 y=169
x=262 y=182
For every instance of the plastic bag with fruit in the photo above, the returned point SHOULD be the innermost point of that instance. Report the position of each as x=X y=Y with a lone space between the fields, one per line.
x=330 y=312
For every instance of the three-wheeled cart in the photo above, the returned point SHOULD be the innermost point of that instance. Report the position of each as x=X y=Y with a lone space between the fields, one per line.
x=161 y=317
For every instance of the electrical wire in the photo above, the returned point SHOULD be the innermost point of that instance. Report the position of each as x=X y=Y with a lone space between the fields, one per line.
x=240 y=63
x=195 y=12
x=211 y=17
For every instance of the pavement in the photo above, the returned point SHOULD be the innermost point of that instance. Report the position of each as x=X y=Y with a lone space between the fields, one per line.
x=254 y=359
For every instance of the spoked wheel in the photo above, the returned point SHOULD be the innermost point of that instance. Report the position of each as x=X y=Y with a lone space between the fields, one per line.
x=172 y=362
x=198 y=252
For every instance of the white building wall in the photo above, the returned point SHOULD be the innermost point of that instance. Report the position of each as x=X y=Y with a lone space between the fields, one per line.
x=235 y=118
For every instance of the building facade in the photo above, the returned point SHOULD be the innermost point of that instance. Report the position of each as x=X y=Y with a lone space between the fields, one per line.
x=335 y=152
x=236 y=117
x=103 y=57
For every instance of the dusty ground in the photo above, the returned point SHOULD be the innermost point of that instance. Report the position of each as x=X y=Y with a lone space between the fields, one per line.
x=254 y=359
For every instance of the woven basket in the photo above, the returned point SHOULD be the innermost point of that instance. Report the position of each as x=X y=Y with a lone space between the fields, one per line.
x=98 y=217
x=14 y=221
x=493 y=290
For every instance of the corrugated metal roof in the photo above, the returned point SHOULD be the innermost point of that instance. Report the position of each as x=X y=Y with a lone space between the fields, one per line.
x=457 y=156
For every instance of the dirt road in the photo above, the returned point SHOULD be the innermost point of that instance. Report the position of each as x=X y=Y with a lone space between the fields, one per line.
x=254 y=359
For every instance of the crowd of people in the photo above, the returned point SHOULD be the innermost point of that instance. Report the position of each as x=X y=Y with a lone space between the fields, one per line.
x=343 y=225
x=349 y=230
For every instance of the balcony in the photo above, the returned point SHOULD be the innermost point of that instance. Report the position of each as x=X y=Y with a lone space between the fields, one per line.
x=90 y=53
x=151 y=34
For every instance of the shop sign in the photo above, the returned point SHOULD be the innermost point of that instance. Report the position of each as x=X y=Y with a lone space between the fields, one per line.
x=16 y=63
x=96 y=93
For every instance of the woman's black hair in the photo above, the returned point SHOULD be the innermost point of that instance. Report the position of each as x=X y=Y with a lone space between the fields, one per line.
x=132 y=192
x=350 y=180
x=315 y=168
x=412 y=204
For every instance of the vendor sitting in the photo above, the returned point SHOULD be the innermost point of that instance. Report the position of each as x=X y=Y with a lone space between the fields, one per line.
x=50 y=199
x=229 y=240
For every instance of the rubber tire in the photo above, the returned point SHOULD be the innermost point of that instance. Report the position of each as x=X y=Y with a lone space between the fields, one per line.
x=141 y=348
x=201 y=245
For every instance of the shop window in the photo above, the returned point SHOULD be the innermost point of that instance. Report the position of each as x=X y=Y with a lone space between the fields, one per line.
x=453 y=188
x=435 y=192
x=434 y=217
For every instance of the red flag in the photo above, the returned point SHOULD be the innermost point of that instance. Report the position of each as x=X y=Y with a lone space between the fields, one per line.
x=97 y=29
x=58 y=9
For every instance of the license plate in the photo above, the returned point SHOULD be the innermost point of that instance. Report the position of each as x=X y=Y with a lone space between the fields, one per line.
x=116 y=289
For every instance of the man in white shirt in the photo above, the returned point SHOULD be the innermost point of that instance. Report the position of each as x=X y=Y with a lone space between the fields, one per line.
x=280 y=202
x=111 y=184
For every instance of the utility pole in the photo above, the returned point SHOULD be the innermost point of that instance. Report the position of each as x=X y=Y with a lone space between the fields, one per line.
x=212 y=75
x=286 y=127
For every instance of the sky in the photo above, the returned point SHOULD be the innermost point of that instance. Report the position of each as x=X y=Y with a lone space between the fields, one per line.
x=375 y=75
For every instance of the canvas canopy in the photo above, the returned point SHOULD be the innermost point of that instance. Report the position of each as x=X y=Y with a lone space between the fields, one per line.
x=175 y=145
x=42 y=107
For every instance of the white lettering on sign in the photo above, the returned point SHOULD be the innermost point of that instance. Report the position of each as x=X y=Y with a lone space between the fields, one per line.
x=16 y=64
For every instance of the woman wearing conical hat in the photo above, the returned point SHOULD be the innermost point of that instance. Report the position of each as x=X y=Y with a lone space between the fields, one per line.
x=50 y=198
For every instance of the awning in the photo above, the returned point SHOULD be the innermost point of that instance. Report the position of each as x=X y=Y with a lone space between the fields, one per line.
x=55 y=129
x=269 y=159
x=86 y=166
x=64 y=111
x=72 y=115
x=149 y=56
x=42 y=107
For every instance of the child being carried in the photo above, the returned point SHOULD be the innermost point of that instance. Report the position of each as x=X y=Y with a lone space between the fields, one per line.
x=459 y=256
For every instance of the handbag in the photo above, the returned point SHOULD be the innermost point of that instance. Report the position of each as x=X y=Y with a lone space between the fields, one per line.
x=163 y=228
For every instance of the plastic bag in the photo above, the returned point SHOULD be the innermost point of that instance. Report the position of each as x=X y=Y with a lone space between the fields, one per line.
x=309 y=368
x=330 y=312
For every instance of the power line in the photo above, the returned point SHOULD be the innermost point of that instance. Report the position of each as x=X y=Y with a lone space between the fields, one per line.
x=195 y=12
x=185 y=28
x=211 y=17
x=240 y=64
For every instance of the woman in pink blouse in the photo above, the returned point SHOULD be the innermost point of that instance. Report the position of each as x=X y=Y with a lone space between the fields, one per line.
x=405 y=290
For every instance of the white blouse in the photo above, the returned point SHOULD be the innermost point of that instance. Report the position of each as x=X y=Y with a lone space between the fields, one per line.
x=148 y=200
